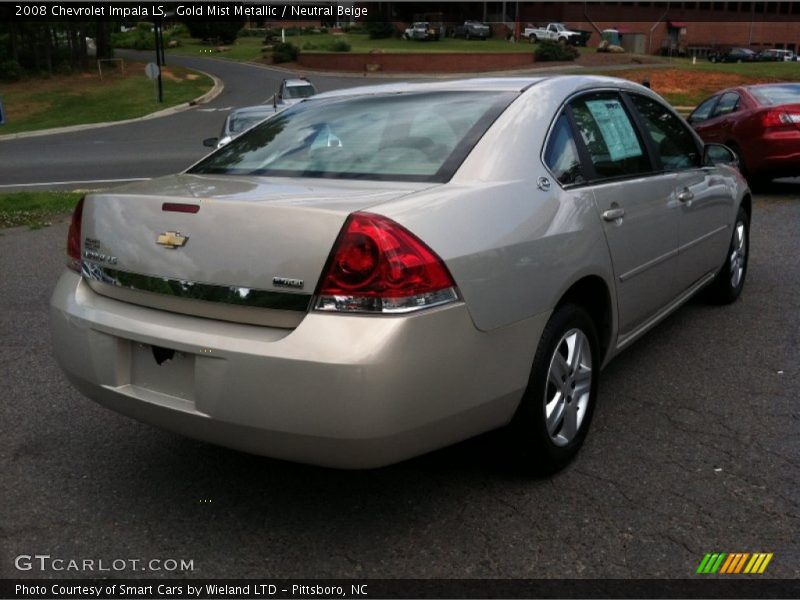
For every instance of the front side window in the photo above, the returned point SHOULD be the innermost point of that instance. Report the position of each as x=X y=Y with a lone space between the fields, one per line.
x=610 y=136
x=561 y=155
x=364 y=137
x=674 y=143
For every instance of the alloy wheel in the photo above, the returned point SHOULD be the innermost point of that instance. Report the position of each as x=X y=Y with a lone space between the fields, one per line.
x=569 y=386
x=738 y=255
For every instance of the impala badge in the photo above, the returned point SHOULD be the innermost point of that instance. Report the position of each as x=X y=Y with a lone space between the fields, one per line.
x=172 y=239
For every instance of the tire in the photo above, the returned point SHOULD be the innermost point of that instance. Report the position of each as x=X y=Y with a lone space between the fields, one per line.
x=729 y=282
x=543 y=443
x=562 y=41
x=713 y=59
x=756 y=182
x=533 y=38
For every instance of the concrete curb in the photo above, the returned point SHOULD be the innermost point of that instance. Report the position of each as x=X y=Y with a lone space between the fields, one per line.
x=298 y=71
x=215 y=91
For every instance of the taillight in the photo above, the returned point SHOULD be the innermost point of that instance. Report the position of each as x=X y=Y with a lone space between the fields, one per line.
x=777 y=118
x=74 y=238
x=378 y=266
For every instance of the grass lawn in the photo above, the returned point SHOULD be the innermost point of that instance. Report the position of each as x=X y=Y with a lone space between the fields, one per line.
x=249 y=48
x=685 y=84
x=85 y=98
x=35 y=209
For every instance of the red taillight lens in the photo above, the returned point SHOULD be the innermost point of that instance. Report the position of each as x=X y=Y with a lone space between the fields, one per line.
x=74 y=238
x=379 y=266
x=780 y=119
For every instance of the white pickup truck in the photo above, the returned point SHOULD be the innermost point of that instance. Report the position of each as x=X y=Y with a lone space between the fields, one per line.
x=555 y=32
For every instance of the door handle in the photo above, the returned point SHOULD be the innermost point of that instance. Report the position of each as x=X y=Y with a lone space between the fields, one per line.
x=685 y=195
x=612 y=214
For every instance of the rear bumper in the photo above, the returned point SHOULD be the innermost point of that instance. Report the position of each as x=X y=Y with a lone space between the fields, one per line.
x=341 y=391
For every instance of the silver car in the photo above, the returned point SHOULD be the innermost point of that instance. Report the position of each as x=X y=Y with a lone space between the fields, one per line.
x=293 y=91
x=378 y=272
x=238 y=121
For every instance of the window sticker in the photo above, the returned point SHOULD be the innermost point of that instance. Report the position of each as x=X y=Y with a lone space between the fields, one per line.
x=616 y=129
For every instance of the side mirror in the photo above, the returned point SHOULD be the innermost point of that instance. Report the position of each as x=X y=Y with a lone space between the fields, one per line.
x=226 y=140
x=718 y=154
x=210 y=142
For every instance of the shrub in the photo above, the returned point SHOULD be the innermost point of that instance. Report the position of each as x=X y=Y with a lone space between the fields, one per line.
x=140 y=38
x=224 y=31
x=379 y=29
x=282 y=53
x=178 y=30
x=10 y=70
x=339 y=46
x=549 y=51
x=252 y=32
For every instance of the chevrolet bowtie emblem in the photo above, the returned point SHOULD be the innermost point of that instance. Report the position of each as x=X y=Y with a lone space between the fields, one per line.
x=172 y=239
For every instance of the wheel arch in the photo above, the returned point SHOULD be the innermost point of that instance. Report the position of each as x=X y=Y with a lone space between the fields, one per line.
x=592 y=293
x=747 y=205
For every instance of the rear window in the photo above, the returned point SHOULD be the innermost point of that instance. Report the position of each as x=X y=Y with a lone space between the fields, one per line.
x=401 y=136
x=775 y=95
x=298 y=91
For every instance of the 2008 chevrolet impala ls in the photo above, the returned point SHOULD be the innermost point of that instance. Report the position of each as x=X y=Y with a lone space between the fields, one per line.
x=378 y=272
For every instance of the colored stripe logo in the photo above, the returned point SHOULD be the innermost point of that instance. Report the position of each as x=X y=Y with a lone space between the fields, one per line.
x=734 y=563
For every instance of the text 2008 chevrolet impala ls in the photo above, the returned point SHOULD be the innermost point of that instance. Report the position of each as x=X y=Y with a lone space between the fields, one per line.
x=377 y=272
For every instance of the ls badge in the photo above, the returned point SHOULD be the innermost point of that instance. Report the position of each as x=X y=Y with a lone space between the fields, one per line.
x=172 y=239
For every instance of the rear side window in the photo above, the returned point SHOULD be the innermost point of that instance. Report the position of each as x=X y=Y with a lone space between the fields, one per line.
x=728 y=103
x=674 y=143
x=610 y=136
x=561 y=155
x=703 y=112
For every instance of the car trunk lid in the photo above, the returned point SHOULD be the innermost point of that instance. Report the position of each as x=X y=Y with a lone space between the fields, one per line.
x=243 y=249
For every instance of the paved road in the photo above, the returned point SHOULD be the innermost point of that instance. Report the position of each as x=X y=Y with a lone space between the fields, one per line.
x=694 y=448
x=146 y=148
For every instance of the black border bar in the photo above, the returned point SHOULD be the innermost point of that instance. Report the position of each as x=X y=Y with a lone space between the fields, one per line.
x=757 y=11
x=284 y=589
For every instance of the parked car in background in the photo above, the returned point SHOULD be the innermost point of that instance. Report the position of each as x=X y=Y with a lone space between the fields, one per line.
x=293 y=91
x=472 y=29
x=735 y=55
x=421 y=31
x=775 y=54
x=382 y=271
x=238 y=121
x=769 y=55
x=554 y=32
x=761 y=123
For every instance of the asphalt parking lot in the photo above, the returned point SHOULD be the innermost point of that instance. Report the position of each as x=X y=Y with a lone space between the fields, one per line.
x=694 y=449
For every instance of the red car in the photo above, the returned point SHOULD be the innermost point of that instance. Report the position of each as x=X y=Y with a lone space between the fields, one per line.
x=761 y=123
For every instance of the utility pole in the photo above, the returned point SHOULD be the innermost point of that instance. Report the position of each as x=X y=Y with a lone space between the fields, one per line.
x=159 y=38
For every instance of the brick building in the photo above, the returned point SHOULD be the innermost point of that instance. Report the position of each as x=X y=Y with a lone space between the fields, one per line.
x=681 y=27
x=678 y=27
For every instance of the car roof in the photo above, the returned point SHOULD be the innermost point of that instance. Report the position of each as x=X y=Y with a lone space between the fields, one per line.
x=259 y=108
x=296 y=82
x=487 y=84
